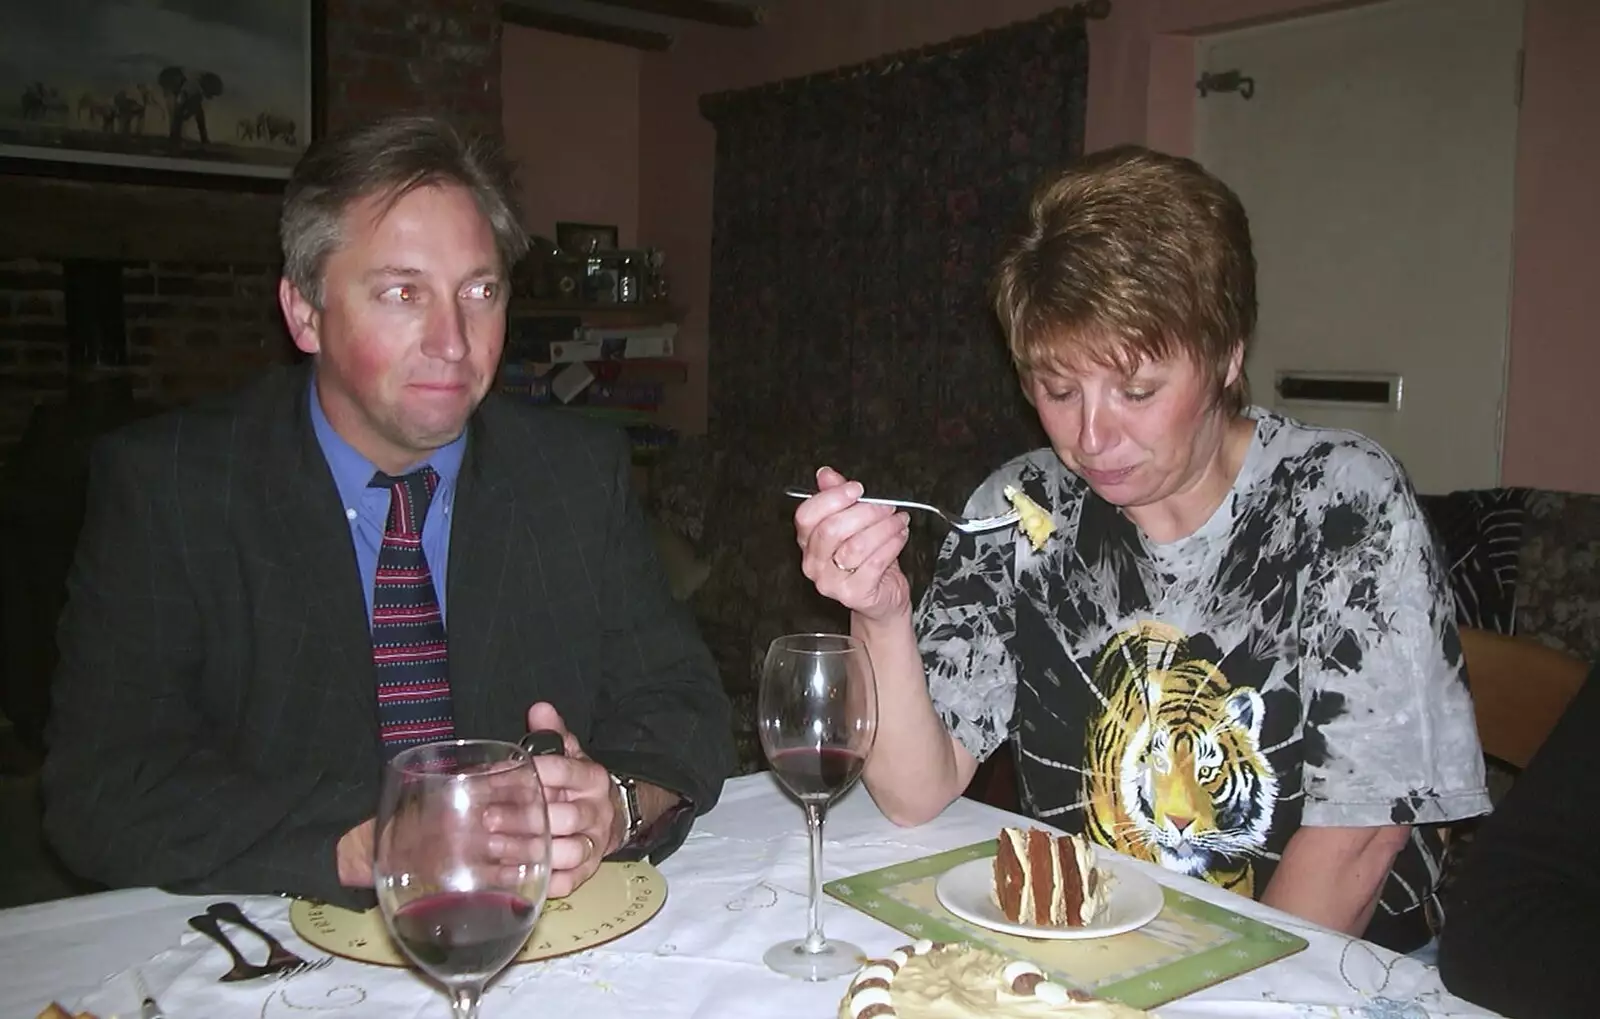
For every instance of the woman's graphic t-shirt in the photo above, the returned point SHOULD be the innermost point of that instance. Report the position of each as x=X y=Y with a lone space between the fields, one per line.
x=1293 y=662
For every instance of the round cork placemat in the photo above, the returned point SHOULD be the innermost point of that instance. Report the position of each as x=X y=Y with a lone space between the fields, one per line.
x=618 y=899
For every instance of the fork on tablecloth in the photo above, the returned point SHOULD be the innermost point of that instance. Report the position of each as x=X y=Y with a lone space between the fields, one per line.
x=281 y=962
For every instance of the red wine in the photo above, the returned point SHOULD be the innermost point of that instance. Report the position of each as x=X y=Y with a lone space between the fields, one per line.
x=464 y=934
x=814 y=774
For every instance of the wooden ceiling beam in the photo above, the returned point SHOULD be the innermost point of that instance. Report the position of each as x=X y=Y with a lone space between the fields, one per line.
x=566 y=24
x=710 y=12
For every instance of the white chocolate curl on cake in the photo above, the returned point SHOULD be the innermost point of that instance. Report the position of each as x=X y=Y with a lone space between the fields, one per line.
x=1097 y=883
x=959 y=981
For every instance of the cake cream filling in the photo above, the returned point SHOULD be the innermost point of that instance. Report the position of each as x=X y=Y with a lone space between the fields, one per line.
x=1019 y=848
x=1096 y=885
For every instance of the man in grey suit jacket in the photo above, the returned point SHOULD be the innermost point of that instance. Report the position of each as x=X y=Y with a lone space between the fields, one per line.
x=216 y=724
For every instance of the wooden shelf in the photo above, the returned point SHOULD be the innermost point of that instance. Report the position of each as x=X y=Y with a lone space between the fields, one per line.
x=664 y=372
x=597 y=314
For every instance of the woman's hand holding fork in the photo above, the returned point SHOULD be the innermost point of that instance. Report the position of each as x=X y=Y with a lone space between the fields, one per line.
x=850 y=549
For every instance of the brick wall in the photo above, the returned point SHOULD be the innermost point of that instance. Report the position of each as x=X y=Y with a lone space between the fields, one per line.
x=193 y=328
x=201 y=266
x=199 y=327
x=33 y=348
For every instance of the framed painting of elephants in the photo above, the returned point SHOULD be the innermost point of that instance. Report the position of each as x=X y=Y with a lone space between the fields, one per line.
x=188 y=92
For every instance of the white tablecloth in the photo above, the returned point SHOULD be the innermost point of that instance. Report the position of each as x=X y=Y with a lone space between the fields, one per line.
x=737 y=886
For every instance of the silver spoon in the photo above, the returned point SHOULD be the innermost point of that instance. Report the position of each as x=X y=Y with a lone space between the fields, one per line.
x=960 y=523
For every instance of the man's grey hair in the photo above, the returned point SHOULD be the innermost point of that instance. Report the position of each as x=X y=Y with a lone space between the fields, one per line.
x=388 y=158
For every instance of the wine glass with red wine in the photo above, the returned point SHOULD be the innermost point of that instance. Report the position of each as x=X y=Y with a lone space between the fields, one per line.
x=818 y=716
x=459 y=911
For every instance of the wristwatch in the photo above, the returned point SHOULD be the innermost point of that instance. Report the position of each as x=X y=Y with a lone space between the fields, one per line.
x=632 y=819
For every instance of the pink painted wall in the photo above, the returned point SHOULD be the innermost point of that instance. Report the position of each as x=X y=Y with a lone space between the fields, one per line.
x=571 y=118
x=1140 y=89
x=1552 y=415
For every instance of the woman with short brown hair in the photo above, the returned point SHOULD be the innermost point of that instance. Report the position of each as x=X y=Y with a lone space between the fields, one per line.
x=1236 y=655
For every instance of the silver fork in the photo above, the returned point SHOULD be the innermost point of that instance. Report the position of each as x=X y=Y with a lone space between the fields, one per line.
x=304 y=967
x=960 y=523
x=281 y=963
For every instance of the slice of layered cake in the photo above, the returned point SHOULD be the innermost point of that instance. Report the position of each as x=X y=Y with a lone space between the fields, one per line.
x=1047 y=880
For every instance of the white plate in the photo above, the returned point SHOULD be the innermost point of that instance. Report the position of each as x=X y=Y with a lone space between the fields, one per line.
x=967 y=890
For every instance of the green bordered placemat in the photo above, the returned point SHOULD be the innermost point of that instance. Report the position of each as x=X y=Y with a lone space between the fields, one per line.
x=1191 y=944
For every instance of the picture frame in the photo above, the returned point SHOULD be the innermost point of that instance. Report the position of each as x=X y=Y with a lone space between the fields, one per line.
x=573 y=238
x=125 y=91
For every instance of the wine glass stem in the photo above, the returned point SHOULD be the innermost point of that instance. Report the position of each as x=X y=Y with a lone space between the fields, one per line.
x=815 y=942
x=464 y=1002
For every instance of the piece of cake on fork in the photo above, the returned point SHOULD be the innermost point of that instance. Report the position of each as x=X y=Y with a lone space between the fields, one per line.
x=1047 y=880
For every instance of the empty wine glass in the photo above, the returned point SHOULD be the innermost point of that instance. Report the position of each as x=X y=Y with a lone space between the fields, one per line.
x=818 y=714
x=460 y=912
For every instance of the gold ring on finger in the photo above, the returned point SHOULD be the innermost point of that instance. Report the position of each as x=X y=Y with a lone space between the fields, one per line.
x=841 y=566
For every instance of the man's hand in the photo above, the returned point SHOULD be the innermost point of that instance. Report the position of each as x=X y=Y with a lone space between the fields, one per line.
x=354 y=855
x=580 y=799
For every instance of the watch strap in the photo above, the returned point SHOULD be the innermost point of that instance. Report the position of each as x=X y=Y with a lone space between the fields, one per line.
x=632 y=819
x=663 y=835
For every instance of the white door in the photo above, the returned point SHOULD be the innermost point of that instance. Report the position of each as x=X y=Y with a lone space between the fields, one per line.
x=1375 y=159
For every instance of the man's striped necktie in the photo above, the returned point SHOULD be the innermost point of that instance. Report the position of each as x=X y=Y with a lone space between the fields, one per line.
x=409 y=649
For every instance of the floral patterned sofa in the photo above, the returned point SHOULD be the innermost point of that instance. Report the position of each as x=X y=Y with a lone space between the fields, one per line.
x=1558 y=572
x=1522 y=564
x=726 y=499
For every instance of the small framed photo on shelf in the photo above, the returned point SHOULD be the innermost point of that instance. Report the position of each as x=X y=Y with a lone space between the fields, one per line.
x=581 y=238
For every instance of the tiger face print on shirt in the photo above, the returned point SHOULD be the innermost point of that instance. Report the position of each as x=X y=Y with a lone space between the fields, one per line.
x=1173 y=766
x=1195 y=703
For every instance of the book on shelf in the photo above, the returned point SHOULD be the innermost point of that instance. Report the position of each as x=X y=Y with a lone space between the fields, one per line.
x=575 y=385
x=524 y=379
x=613 y=345
x=638 y=395
x=662 y=330
x=615 y=374
x=635 y=413
x=664 y=371
x=529 y=339
x=564 y=339
x=637 y=377
x=627 y=417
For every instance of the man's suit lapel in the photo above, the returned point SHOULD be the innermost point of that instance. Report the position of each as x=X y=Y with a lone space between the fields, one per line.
x=481 y=596
x=309 y=526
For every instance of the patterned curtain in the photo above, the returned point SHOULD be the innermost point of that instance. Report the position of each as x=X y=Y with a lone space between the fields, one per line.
x=857 y=219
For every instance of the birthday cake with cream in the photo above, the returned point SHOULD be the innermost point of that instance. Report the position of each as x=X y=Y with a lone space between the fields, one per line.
x=925 y=980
